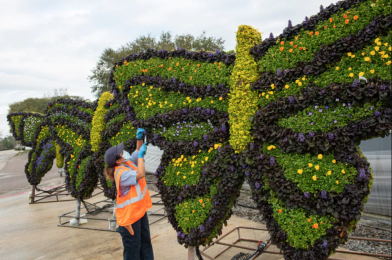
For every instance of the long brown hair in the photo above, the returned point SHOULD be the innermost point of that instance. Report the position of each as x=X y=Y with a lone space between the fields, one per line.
x=109 y=171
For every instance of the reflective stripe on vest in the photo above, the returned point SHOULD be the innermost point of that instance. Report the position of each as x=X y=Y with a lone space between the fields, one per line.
x=139 y=197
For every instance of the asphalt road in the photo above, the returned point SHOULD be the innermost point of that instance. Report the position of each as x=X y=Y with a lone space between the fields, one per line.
x=12 y=175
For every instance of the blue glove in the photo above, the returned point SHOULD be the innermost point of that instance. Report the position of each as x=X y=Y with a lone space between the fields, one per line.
x=139 y=133
x=142 y=151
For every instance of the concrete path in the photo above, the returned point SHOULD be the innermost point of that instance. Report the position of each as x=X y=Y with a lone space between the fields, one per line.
x=12 y=175
x=5 y=156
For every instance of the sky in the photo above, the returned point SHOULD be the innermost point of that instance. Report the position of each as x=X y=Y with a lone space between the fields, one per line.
x=46 y=44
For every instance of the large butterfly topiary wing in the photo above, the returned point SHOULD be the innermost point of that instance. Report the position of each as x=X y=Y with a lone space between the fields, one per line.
x=24 y=126
x=180 y=99
x=324 y=87
x=70 y=123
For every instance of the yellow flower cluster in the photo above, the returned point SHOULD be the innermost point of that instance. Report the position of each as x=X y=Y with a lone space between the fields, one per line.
x=98 y=122
x=181 y=160
x=271 y=147
x=242 y=100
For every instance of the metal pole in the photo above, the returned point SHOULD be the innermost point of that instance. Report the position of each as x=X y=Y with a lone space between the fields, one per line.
x=191 y=253
x=112 y=224
x=75 y=221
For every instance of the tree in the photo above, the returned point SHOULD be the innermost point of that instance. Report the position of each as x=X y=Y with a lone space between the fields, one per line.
x=100 y=73
x=38 y=105
x=8 y=142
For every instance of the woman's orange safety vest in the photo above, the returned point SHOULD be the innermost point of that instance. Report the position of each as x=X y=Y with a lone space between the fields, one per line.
x=131 y=207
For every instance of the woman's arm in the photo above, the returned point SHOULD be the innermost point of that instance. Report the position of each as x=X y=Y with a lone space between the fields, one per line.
x=139 y=143
x=141 y=170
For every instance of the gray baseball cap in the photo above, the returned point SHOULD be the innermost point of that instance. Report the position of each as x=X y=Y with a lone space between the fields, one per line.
x=111 y=154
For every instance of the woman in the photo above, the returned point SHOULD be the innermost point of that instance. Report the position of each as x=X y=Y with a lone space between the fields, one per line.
x=133 y=198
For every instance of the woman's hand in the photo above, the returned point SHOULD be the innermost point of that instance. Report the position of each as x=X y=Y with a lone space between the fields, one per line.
x=142 y=150
x=139 y=133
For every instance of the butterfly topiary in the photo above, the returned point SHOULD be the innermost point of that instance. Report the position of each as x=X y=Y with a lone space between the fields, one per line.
x=285 y=114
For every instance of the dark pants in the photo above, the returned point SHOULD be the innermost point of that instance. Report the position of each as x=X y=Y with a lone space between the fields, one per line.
x=138 y=246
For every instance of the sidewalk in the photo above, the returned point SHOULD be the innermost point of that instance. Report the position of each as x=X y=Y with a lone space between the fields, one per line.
x=31 y=232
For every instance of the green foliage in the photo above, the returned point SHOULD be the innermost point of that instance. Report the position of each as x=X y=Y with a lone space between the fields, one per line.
x=66 y=107
x=301 y=228
x=312 y=174
x=101 y=72
x=324 y=118
x=71 y=118
x=192 y=213
x=126 y=133
x=81 y=171
x=148 y=101
x=184 y=70
x=76 y=141
x=186 y=170
x=118 y=118
x=98 y=122
x=59 y=157
x=16 y=120
x=303 y=47
x=349 y=68
x=186 y=131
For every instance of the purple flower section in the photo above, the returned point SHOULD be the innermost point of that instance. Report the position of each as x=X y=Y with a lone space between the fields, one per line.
x=201 y=227
x=290 y=25
x=301 y=137
x=272 y=161
x=306 y=194
x=355 y=83
x=224 y=129
x=271 y=36
x=279 y=72
x=311 y=134
x=362 y=174
x=323 y=194
x=257 y=185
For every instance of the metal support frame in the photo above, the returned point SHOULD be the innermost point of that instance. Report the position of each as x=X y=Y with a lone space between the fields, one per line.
x=105 y=208
x=239 y=239
x=59 y=195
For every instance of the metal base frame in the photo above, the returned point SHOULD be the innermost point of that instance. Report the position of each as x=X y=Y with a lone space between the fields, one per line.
x=93 y=209
x=59 y=195
x=239 y=239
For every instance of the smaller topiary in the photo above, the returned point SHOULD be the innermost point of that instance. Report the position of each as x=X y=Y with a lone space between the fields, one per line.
x=59 y=157
x=98 y=121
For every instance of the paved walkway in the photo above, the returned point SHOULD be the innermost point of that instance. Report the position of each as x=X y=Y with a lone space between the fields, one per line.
x=13 y=178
